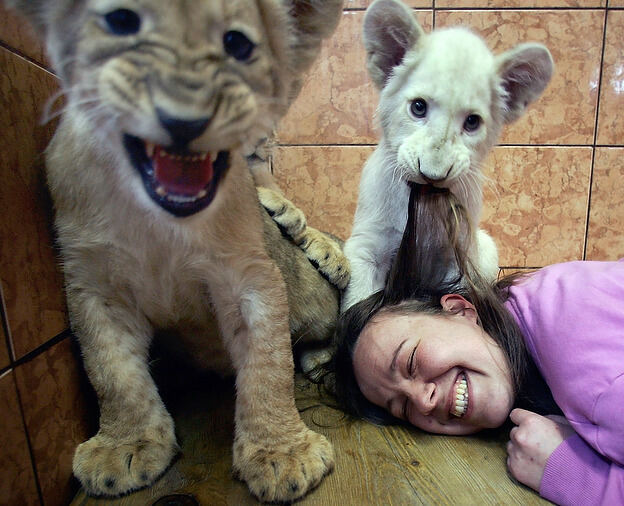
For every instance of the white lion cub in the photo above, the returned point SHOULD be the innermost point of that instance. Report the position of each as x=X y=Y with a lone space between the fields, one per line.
x=444 y=98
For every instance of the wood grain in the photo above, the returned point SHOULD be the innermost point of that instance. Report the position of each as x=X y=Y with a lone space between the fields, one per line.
x=374 y=465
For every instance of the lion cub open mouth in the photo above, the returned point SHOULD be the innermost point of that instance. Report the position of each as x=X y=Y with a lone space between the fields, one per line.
x=180 y=181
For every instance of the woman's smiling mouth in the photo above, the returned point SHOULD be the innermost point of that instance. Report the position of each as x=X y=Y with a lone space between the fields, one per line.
x=459 y=403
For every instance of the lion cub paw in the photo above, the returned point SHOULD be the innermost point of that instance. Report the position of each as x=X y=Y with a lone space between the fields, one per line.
x=315 y=363
x=282 y=473
x=326 y=255
x=288 y=216
x=107 y=467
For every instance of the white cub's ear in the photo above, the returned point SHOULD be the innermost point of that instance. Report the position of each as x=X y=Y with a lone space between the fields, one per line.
x=390 y=30
x=525 y=72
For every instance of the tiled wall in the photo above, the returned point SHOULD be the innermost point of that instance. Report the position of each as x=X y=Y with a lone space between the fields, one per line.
x=555 y=194
x=42 y=400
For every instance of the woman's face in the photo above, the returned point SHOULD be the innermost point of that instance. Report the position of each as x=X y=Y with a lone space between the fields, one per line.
x=441 y=373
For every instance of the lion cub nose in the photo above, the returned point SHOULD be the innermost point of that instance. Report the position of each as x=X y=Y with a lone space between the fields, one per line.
x=182 y=131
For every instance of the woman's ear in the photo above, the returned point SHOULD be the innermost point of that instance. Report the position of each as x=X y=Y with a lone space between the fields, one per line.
x=455 y=303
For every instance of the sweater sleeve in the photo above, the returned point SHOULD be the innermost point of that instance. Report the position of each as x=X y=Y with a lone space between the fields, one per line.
x=576 y=474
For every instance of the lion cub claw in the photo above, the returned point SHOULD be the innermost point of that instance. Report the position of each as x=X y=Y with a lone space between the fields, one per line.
x=283 y=472
x=326 y=255
x=288 y=216
x=323 y=252
x=107 y=467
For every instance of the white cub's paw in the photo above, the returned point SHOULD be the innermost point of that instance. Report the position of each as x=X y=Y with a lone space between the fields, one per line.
x=283 y=211
x=106 y=466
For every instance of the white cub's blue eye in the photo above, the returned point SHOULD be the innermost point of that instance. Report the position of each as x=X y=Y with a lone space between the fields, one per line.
x=123 y=22
x=472 y=123
x=418 y=108
x=238 y=45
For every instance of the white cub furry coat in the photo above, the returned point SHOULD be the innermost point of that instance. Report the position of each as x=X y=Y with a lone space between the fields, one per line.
x=444 y=98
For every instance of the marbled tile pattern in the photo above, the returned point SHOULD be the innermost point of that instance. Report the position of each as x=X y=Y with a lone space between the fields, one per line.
x=605 y=237
x=536 y=204
x=19 y=35
x=338 y=100
x=611 y=119
x=362 y=4
x=565 y=113
x=323 y=181
x=17 y=480
x=31 y=281
x=52 y=392
x=497 y=4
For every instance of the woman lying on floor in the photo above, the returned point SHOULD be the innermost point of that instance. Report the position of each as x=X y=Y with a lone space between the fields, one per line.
x=452 y=354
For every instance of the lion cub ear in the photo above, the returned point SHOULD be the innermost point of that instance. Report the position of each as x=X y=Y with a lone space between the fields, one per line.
x=390 y=30
x=524 y=72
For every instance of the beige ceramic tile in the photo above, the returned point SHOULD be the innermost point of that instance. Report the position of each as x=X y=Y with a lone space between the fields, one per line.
x=536 y=204
x=616 y=3
x=51 y=389
x=565 y=114
x=362 y=4
x=611 y=120
x=494 y=4
x=17 y=33
x=605 y=236
x=323 y=182
x=337 y=102
x=31 y=282
x=17 y=479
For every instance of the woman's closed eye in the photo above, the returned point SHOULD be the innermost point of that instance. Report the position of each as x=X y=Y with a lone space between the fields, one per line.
x=411 y=364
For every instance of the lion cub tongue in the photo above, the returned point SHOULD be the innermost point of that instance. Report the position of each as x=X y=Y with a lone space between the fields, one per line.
x=182 y=174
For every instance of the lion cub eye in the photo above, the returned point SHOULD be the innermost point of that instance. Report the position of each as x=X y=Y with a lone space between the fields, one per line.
x=123 y=22
x=472 y=123
x=237 y=45
x=418 y=108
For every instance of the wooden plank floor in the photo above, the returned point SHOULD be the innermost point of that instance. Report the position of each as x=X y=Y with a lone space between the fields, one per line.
x=374 y=465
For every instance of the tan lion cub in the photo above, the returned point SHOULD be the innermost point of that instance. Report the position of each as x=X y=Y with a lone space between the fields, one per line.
x=160 y=226
x=444 y=99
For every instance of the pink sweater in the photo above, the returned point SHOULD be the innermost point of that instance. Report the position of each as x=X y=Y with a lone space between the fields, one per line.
x=572 y=316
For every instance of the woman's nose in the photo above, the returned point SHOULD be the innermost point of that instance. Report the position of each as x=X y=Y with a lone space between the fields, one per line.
x=425 y=398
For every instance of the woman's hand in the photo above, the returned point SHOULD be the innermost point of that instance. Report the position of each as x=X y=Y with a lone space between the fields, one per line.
x=532 y=442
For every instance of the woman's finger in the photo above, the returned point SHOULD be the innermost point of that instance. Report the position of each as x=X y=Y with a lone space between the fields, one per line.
x=519 y=415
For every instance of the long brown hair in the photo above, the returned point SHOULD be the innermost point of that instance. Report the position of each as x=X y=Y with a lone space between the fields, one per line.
x=432 y=260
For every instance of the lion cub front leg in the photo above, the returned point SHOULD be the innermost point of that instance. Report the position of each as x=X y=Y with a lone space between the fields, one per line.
x=278 y=457
x=135 y=442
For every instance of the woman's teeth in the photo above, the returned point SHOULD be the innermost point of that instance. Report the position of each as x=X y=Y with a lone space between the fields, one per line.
x=460 y=403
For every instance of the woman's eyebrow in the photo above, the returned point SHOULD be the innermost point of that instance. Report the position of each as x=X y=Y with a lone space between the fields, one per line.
x=396 y=355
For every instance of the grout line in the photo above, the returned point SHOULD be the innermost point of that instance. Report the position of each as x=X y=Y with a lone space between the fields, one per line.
x=24 y=56
x=31 y=355
x=500 y=8
x=4 y=321
x=504 y=145
x=595 y=144
x=28 y=443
